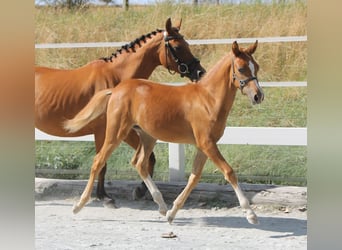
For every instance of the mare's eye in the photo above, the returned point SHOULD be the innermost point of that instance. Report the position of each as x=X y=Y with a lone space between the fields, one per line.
x=177 y=48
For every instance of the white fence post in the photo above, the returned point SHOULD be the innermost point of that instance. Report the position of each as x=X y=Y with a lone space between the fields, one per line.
x=176 y=162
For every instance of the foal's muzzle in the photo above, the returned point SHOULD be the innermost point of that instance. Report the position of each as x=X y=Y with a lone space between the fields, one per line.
x=258 y=97
x=255 y=94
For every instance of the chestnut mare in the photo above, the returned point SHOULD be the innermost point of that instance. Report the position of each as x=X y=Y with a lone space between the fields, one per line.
x=193 y=114
x=61 y=94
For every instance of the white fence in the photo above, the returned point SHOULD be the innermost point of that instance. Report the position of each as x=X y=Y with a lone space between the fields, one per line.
x=232 y=135
x=191 y=42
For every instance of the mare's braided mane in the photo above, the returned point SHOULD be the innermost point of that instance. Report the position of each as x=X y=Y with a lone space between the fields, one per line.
x=131 y=45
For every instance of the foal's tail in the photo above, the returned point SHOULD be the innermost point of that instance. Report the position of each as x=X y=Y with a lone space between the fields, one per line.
x=96 y=107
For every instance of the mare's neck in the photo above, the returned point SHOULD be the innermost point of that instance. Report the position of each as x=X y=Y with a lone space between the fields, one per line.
x=138 y=64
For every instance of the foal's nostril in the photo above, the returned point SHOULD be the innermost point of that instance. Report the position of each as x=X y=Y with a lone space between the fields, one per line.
x=256 y=98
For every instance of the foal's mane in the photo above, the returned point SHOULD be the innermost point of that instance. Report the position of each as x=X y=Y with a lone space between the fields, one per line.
x=131 y=45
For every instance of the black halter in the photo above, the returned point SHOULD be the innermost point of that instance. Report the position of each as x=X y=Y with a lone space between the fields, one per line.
x=183 y=67
x=243 y=83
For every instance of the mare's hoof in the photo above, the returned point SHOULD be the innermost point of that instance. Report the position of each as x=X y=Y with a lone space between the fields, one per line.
x=109 y=203
x=138 y=193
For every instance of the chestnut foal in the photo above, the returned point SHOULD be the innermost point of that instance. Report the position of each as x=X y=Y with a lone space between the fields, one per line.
x=193 y=114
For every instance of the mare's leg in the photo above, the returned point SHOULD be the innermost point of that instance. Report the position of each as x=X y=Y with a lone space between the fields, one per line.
x=194 y=178
x=101 y=193
x=211 y=150
x=133 y=140
x=140 y=160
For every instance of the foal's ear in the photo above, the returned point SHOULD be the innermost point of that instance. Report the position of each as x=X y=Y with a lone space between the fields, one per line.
x=251 y=49
x=236 y=49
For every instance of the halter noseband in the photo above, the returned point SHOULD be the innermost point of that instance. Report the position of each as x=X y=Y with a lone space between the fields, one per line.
x=183 y=67
x=243 y=83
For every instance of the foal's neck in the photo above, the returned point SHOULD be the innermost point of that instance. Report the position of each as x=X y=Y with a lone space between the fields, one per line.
x=218 y=83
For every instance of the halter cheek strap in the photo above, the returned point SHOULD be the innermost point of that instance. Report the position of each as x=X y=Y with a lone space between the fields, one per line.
x=183 y=67
x=243 y=83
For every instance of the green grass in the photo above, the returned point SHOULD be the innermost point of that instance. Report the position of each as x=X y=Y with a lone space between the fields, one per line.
x=255 y=164
x=283 y=107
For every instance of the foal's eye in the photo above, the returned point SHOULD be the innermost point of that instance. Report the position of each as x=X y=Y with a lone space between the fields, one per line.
x=241 y=70
x=177 y=48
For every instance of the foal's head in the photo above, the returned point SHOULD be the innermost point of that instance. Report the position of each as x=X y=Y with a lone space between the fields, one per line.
x=177 y=55
x=245 y=70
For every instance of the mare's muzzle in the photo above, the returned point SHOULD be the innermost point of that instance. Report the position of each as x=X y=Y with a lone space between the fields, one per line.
x=193 y=70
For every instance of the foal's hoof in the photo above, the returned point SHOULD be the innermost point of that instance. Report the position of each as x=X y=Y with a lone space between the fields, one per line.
x=252 y=218
x=162 y=211
x=169 y=217
x=76 y=208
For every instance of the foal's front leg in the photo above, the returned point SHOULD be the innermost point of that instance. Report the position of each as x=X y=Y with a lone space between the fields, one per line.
x=133 y=139
x=194 y=178
x=156 y=194
x=141 y=161
x=215 y=155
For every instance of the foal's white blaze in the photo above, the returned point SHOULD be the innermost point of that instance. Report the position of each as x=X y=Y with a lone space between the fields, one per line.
x=252 y=68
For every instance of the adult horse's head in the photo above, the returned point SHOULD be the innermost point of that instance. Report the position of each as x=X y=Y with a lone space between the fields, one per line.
x=177 y=56
x=244 y=72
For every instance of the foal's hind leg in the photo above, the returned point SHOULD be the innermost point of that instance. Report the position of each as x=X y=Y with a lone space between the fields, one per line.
x=214 y=154
x=133 y=140
x=98 y=163
x=101 y=193
x=115 y=132
x=140 y=160
x=194 y=178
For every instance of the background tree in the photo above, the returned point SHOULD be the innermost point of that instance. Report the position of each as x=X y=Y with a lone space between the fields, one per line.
x=70 y=4
x=125 y=4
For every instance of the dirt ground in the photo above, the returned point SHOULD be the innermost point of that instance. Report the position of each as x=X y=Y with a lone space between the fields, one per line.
x=138 y=225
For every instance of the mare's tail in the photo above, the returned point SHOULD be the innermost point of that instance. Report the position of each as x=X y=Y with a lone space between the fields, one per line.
x=96 y=107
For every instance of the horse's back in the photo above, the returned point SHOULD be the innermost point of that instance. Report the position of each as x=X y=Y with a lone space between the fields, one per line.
x=60 y=94
x=154 y=106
